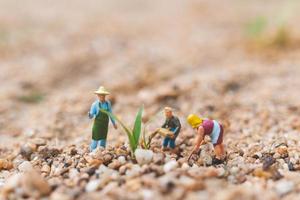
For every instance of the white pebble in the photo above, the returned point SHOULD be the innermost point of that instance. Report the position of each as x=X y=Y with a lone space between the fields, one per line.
x=283 y=187
x=122 y=160
x=185 y=166
x=143 y=156
x=25 y=166
x=92 y=185
x=169 y=166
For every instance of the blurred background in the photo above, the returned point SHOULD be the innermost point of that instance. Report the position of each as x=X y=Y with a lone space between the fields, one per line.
x=222 y=59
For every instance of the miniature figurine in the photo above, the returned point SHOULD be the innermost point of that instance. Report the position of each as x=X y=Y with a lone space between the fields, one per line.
x=172 y=123
x=101 y=120
x=208 y=127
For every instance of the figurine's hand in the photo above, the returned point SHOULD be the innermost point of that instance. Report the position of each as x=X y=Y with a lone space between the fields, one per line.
x=115 y=126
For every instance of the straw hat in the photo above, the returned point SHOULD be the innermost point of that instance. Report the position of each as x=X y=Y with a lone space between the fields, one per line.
x=102 y=90
x=168 y=109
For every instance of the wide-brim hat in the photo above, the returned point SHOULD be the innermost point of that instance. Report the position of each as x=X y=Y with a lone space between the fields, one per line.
x=101 y=90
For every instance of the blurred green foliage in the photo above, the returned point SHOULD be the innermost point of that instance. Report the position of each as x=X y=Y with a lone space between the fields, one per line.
x=32 y=97
x=256 y=27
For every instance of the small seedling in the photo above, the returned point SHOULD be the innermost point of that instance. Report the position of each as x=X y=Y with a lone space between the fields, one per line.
x=134 y=134
x=146 y=141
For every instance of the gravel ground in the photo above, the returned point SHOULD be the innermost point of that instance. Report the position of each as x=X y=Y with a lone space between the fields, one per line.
x=196 y=56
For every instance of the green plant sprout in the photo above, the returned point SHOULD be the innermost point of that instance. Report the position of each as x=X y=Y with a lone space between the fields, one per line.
x=134 y=134
x=147 y=141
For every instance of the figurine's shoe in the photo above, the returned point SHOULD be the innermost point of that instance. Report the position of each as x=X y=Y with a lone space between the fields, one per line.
x=217 y=161
x=165 y=148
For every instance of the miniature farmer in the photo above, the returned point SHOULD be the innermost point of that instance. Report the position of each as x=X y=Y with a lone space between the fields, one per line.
x=211 y=128
x=172 y=123
x=101 y=120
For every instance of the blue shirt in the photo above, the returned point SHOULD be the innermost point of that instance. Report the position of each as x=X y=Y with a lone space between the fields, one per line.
x=95 y=109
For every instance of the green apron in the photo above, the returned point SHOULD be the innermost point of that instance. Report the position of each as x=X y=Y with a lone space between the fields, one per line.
x=100 y=127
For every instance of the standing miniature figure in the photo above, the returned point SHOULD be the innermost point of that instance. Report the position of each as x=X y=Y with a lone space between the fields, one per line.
x=172 y=123
x=211 y=128
x=101 y=120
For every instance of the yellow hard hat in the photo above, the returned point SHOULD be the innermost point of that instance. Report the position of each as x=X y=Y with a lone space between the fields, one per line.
x=194 y=120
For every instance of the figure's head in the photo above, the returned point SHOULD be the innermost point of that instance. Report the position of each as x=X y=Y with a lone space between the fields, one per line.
x=168 y=112
x=194 y=120
x=101 y=93
x=101 y=97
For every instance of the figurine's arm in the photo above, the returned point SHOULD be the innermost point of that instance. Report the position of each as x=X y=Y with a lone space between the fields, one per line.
x=110 y=110
x=199 y=139
x=93 y=111
x=164 y=125
x=178 y=126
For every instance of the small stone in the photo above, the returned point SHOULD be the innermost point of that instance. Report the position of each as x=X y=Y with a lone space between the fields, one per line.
x=25 y=166
x=185 y=166
x=107 y=158
x=114 y=165
x=12 y=183
x=45 y=169
x=282 y=151
x=95 y=162
x=158 y=158
x=134 y=171
x=5 y=164
x=73 y=173
x=267 y=162
x=122 y=160
x=143 y=156
x=92 y=185
x=234 y=170
x=46 y=153
x=283 y=187
x=169 y=166
x=27 y=149
x=262 y=174
x=122 y=170
x=39 y=141
x=33 y=184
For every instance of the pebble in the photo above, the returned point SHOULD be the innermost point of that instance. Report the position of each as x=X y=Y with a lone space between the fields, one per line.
x=45 y=168
x=122 y=160
x=5 y=164
x=92 y=185
x=25 y=166
x=73 y=173
x=11 y=183
x=158 y=158
x=283 y=187
x=185 y=166
x=169 y=166
x=143 y=156
x=39 y=141
x=33 y=182
x=27 y=149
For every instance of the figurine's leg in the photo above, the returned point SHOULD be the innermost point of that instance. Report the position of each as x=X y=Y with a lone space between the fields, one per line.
x=165 y=143
x=102 y=143
x=219 y=151
x=93 y=145
x=172 y=143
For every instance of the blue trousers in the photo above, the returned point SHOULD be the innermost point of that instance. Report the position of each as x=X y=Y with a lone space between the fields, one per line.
x=95 y=143
x=169 y=142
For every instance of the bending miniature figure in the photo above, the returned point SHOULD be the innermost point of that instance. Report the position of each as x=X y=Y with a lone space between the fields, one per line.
x=101 y=120
x=172 y=123
x=211 y=128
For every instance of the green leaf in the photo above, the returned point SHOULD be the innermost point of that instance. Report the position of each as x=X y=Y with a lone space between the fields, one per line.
x=137 y=126
x=126 y=129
